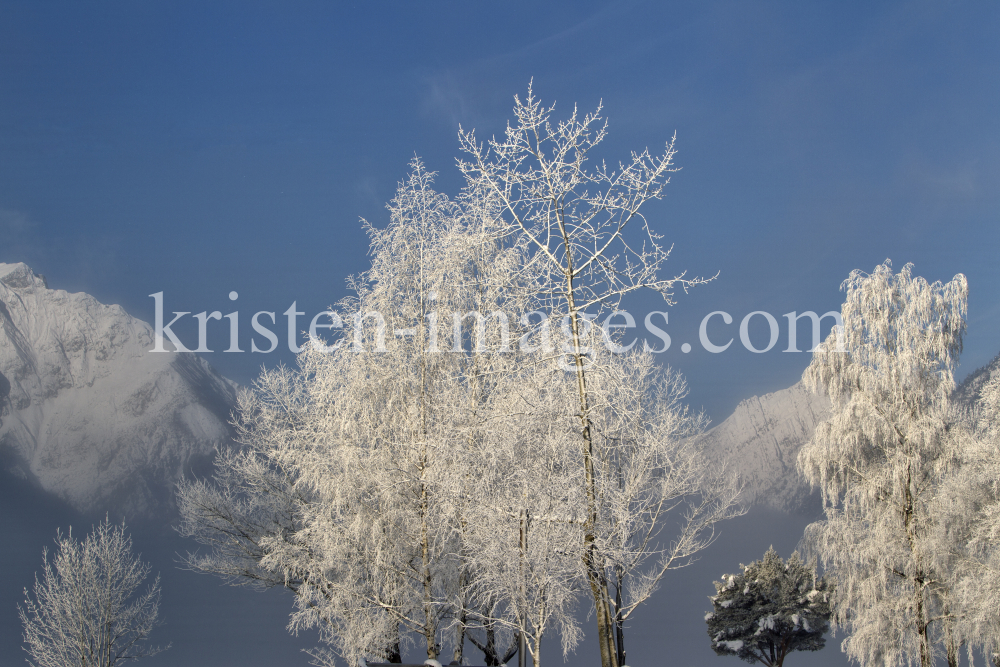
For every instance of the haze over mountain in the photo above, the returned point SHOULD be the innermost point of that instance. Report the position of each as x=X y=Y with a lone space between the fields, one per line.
x=88 y=413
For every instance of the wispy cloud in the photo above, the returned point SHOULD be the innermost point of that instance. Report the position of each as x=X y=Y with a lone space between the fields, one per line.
x=446 y=97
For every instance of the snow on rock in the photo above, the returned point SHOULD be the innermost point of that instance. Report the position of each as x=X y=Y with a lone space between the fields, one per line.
x=761 y=441
x=88 y=412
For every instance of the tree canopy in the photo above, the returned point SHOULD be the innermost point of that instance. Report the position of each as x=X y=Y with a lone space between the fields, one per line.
x=87 y=609
x=418 y=478
x=769 y=610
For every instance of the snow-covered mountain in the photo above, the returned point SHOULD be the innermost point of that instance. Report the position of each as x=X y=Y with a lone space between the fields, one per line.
x=761 y=440
x=87 y=412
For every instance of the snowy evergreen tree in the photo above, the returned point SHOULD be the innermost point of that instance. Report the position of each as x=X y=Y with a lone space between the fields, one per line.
x=769 y=610
x=880 y=460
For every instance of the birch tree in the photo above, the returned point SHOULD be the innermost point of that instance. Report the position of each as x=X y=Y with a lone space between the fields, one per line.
x=87 y=608
x=589 y=245
x=521 y=546
x=252 y=506
x=430 y=479
x=979 y=581
x=378 y=441
x=659 y=499
x=880 y=458
x=250 y=500
x=351 y=492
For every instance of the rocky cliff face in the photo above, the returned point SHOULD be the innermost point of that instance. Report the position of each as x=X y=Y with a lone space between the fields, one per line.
x=761 y=440
x=87 y=412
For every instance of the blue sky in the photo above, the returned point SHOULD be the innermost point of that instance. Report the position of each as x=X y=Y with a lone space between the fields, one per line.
x=197 y=148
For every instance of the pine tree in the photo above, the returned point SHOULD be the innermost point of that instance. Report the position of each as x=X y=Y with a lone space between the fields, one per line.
x=769 y=610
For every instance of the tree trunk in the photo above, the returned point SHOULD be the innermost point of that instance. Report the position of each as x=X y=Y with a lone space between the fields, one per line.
x=952 y=655
x=919 y=576
x=595 y=570
x=619 y=621
x=429 y=629
x=951 y=649
x=393 y=655
x=491 y=652
x=599 y=590
x=522 y=642
x=460 y=630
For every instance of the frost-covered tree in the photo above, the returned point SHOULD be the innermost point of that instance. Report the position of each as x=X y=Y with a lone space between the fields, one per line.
x=769 y=610
x=650 y=470
x=356 y=450
x=442 y=469
x=588 y=244
x=87 y=609
x=979 y=589
x=353 y=489
x=251 y=504
x=521 y=545
x=248 y=502
x=879 y=461
x=968 y=507
x=382 y=434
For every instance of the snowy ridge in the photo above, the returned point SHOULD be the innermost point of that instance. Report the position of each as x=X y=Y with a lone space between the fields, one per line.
x=968 y=392
x=87 y=412
x=762 y=438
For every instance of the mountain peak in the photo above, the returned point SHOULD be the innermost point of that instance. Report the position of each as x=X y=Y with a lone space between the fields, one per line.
x=761 y=441
x=88 y=412
x=968 y=391
x=19 y=276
